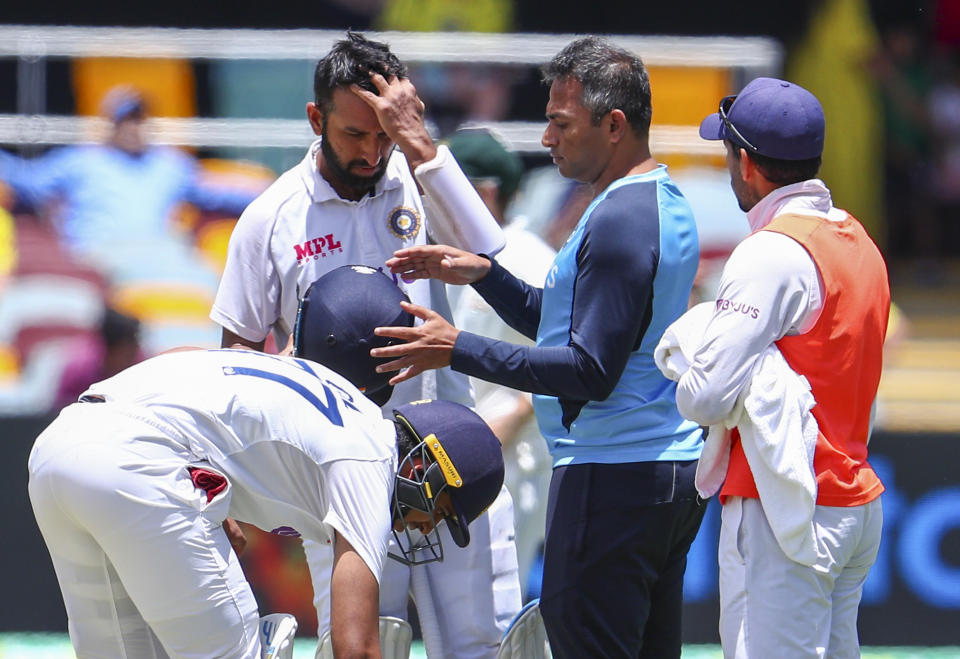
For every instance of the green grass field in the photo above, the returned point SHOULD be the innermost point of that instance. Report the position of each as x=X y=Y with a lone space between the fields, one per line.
x=57 y=646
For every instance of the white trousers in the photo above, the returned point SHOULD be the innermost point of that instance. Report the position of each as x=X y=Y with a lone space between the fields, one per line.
x=464 y=603
x=771 y=606
x=144 y=566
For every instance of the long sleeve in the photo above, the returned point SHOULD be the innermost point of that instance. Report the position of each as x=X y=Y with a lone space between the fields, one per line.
x=456 y=215
x=611 y=310
x=769 y=288
x=515 y=301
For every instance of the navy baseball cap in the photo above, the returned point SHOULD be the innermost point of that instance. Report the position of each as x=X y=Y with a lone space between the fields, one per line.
x=335 y=324
x=467 y=452
x=771 y=117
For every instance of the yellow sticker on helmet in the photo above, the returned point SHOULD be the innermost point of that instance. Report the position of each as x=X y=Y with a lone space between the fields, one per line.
x=450 y=473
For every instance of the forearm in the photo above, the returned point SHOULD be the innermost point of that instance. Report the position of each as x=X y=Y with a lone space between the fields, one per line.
x=563 y=371
x=516 y=302
x=354 y=596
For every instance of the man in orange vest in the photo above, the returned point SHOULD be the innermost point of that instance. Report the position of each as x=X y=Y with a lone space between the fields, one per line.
x=811 y=282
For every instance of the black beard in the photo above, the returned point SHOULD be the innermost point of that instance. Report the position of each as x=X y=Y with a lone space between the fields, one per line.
x=363 y=184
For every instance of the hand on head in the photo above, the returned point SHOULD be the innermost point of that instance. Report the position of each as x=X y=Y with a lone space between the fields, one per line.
x=400 y=112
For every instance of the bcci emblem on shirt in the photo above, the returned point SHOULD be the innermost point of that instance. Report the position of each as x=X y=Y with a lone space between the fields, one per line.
x=404 y=222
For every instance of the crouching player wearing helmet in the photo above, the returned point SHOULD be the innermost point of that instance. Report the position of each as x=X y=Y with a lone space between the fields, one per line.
x=130 y=486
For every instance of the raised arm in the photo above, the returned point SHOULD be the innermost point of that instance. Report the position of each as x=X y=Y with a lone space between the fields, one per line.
x=456 y=215
x=611 y=311
x=515 y=301
x=37 y=180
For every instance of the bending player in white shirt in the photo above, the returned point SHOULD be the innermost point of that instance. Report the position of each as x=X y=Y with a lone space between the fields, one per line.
x=130 y=487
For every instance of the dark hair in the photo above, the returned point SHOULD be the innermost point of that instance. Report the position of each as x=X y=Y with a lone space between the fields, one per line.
x=406 y=440
x=612 y=79
x=351 y=61
x=781 y=172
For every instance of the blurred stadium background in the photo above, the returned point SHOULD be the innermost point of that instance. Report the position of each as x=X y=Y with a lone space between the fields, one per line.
x=230 y=91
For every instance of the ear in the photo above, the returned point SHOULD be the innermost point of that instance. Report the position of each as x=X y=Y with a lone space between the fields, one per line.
x=315 y=117
x=618 y=125
x=748 y=170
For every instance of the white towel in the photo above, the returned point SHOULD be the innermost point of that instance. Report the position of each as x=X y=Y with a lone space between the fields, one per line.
x=777 y=431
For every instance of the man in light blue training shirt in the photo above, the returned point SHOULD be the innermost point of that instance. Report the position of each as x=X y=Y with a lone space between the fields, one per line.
x=622 y=509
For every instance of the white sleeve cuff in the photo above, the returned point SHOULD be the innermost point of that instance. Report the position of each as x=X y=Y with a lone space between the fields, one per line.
x=456 y=215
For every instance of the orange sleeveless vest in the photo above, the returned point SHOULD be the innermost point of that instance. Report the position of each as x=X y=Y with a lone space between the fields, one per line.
x=841 y=357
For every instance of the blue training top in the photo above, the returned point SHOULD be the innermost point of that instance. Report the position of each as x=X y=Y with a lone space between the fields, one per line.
x=624 y=274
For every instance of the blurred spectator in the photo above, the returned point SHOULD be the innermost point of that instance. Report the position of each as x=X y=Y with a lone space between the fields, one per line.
x=495 y=172
x=904 y=78
x=119 y=192
x=114 y=348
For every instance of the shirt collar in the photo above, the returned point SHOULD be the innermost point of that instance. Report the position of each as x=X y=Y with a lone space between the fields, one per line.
x=810 y=197
x=320 y=189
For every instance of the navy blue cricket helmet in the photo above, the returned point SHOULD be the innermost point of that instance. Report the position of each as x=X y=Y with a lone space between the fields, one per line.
x=335 y=324
x=457 y=453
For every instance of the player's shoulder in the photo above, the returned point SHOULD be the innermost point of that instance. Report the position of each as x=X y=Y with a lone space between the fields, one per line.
x=626 y=204
x=767 y=254
x=280 y=196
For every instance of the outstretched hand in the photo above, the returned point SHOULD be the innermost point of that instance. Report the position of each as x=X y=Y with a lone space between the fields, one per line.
x=448 y=264
x=400 y=113
x=427 y=346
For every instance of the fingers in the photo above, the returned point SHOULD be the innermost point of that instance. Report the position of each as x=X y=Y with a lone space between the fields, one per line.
x=420 y=312
x=403 y=376
x=383 y=87
x=406 y=334
x=418 y=261
x=421 y=251
x=394 y=365
x=380 y=82
x=369 y=97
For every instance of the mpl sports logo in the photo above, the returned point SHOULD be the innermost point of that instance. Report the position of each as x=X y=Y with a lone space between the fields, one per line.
x=318 y=248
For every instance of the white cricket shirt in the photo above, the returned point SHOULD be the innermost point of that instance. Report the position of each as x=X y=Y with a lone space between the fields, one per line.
x=300 y=229
x=770 y=288
x=304 y=451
